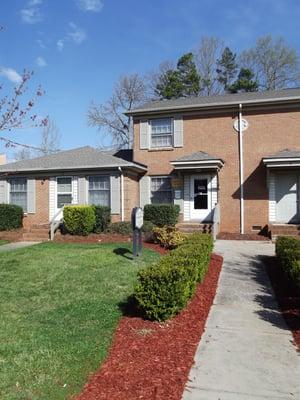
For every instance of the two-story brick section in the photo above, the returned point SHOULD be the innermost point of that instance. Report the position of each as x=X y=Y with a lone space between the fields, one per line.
x=241 y=151
x=238 y=154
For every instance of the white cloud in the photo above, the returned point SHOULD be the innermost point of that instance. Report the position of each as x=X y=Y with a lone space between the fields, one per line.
x=10 y=74
x=60 y=45
x=32 y=13
x=41 y=43
x=90 y=5
x=76 y=34
x=41 y=62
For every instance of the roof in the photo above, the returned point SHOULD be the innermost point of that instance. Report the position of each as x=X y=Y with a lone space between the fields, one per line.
x=81 y=158
x=218 y=101
x=286 y=153
x=198 y=156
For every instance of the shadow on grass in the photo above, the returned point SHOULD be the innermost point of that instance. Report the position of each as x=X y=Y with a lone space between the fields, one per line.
x=130 y=308
x=122 y=251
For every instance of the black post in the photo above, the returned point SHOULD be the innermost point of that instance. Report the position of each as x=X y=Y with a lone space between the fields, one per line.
x=137 y=232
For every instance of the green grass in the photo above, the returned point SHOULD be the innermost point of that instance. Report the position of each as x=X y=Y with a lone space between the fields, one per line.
x=3 y=242
x=59 y=309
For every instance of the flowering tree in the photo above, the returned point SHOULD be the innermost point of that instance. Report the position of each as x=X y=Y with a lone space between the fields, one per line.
x=16 y=111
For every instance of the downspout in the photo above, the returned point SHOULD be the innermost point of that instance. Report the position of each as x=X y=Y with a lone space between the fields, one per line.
x=241 y=156
x=122 y=193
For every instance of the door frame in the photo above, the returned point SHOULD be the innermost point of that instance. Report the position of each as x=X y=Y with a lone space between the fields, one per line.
x=201 y=215
x=59 y=216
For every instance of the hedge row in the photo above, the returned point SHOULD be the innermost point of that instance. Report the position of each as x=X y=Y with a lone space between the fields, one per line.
x=162 y=214
x=165 y=288
x=288 y=253
x=11 y=217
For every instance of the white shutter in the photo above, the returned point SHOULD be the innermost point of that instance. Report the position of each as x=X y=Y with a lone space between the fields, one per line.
x=144 y=191
x=115 y=197
x=144 y=134
x=214 y=190
x=178 y=131
x=3 y=191
x=31 y=196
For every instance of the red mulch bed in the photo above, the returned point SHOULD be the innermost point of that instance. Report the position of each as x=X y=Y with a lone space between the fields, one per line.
x=149 y=360
x=239 y=236
x=288 y=298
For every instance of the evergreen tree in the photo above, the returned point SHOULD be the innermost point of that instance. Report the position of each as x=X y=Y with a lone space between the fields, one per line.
x=226 y=68
x=188 y=75
x=181 y=82
x=245 y=82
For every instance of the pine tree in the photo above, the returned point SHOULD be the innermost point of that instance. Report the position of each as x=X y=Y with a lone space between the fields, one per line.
x=183 y=81
x=245 y=82
x=226 y=68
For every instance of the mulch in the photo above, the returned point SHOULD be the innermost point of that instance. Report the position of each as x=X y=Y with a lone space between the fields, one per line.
x=239 y=236
x=151 y=360
x=288 y=298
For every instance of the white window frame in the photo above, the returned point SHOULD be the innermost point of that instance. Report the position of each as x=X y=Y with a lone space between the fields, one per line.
x=57 y=193
x=9 y=191
x=169 y=134
x=88 y=188
x=171 y=189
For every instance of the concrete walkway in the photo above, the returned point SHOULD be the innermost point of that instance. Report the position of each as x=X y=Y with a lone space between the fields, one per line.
x=246 y=351
x=16 y=246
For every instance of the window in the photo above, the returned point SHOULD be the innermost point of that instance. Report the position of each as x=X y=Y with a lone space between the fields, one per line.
x=64 y=191
x=18 y=192
x=161 y=132
x=161 y=190
x=99 y=190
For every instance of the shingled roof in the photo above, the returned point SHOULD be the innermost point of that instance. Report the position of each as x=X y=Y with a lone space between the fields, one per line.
x=81 y=158
x=198 y=156
x=199 y=102
x=286 y=153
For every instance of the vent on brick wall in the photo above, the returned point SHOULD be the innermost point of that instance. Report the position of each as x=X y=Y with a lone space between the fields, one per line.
x=256 y=227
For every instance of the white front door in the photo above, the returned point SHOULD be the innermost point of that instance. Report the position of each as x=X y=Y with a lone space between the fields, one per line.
x=287 y=197
x=64 y=194
x=200 y=197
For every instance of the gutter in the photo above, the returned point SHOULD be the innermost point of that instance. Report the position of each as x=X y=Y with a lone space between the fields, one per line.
x=241 y=157
x=122 y=193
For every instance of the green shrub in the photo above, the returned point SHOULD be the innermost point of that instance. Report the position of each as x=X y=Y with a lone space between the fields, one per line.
x=162 y=214
x=168 y=236
x=164 y=288
x=288 y=253
x=11 y=217
x=147 y=230
x=103 y=218
x=79 y=220
x=123 y=228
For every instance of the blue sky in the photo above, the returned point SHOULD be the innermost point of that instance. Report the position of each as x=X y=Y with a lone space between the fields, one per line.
x=78 y=48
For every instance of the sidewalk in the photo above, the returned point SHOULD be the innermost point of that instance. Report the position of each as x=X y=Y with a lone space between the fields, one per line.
x=16 y=246
x=246 y=352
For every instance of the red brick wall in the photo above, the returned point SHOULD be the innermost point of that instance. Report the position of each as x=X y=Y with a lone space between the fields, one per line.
x=267 y=133
x=41 y=215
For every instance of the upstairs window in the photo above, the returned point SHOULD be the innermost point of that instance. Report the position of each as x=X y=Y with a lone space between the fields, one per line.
x=161 y=132
x=18 y=192
x=99 y=190
x=161 y=190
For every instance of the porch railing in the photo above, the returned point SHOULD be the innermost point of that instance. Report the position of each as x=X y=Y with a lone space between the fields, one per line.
x=54 y=223
x=216 y=221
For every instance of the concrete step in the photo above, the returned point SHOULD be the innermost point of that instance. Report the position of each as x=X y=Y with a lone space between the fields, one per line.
x=35 y=237
x=190 y=227
x=38 y=230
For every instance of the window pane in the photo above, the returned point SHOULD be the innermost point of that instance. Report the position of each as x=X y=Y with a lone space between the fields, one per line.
x=162 y=125
x=99 y=183
x=64 y=185
x=18 y=185
x=63 y=199
x=19 y=199
x=161 y=190
x=99 y=197
x=162 y=141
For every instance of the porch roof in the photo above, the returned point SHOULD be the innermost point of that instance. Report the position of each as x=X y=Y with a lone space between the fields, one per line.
x=284 y=158
x=198 y=160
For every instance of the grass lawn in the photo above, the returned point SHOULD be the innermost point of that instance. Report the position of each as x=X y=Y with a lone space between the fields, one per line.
x=59 y=309
x=3 y=242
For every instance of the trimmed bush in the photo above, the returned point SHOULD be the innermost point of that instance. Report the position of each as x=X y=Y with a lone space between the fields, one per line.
x=147 y=230
x=79 y=220
x=11 y=217
x=162 y=214
x=103 y=218
x=288 y=253
x=166 y=287
x=168 y=236
x=123 y=228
